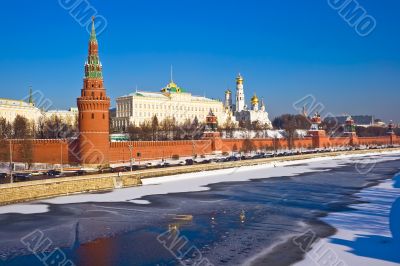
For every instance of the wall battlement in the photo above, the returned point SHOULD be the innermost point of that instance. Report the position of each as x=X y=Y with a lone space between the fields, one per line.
x=56 y=151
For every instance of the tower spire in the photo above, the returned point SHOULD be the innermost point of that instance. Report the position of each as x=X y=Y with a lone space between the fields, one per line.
x=93 y=67
x=93 y=33
x=172 y=74
x=30 y=95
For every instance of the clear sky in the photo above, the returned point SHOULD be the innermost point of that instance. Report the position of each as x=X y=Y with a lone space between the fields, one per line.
x=285 y=49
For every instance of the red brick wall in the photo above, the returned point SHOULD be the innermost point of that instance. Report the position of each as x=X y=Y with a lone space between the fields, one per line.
x=385 y=140
x=119 y=151
x=43 y=151
x=49 y=151
x=339 y=142
x=237 y=144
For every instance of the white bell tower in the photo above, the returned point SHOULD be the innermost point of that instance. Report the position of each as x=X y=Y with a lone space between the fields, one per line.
x=240 y=101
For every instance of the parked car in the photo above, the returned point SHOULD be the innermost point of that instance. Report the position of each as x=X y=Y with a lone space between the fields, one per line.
x=21 y=177
x=120 y=169
x=189 y=162
x=149 y=165
x=80 y=172
x=54 y=173
x=3 y=175
x=36 y=173
x=106 y=170
x=166 y=165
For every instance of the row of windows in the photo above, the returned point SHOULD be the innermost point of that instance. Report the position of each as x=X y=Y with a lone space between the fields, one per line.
x=127 y=107
x=161 y=115
x=93 y=116
x=92 y=94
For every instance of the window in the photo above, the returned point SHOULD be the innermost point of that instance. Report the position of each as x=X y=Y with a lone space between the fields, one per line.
x=104 y=116
x=92 y=115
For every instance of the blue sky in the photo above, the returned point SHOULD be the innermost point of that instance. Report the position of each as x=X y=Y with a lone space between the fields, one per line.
x=285 y=49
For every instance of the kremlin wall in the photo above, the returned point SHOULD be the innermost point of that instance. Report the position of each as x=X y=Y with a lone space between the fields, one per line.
x=57 y=151
x=93 y=147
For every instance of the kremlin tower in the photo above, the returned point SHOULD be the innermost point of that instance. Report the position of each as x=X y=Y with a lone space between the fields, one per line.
x=93 y=105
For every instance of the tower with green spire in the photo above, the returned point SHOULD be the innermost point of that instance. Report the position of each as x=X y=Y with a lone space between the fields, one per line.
x=93 y=67
x=93 y=106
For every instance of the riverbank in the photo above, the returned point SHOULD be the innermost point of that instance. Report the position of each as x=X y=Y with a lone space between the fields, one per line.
x=35 y=190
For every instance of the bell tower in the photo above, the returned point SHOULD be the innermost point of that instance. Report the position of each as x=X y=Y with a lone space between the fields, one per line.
x=93 y=106
x=240 y=101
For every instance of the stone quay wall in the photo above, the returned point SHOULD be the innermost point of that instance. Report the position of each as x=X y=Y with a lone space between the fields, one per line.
x=41 y=189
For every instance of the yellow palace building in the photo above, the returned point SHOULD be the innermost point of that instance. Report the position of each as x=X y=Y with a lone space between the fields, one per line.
x=10 y=109
x=172 y=102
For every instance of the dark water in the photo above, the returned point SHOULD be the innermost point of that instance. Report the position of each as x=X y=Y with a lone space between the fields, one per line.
x=231 y=223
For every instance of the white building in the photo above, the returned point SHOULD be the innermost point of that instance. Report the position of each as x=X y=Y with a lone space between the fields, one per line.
x=10 y=109
x=175 y=102
x=240 y=111
x=172 y=102
x=68 y=117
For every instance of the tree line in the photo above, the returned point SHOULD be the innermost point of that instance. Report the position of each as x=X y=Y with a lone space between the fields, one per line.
x=168 y=129
x=24 y=130
x=46 y=128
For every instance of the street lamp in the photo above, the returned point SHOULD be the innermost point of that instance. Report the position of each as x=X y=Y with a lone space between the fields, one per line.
x=11 y=163
x=61 y=156
x=130 y=146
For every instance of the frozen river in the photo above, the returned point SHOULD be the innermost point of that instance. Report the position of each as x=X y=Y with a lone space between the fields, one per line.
x=260 y=215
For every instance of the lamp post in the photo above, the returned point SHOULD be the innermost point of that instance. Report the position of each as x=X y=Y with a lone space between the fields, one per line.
x=11 y=163
x=61 y=156
x=130 y=146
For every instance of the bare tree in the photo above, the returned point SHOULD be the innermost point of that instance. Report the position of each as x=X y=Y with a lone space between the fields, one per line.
x=21 y=128
x=146 y=131
x=154 y=128
x=5 y=129
x=133 y=132
x=26 y=150
x=248 y=146
x=229 y=128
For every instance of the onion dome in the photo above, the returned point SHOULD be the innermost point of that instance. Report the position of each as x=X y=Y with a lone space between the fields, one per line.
x=172 y=87
x=228 y=91
x=239 y=79
x=254 y=100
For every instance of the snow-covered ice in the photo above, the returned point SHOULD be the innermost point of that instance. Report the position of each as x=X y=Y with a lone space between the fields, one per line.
x=200 y=180
x=364 y=236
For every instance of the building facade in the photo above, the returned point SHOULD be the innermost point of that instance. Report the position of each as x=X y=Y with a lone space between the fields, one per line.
x=69 y=117
x=10 y=109
x=172 y=102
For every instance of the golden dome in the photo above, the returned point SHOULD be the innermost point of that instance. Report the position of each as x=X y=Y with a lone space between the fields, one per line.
x=239 y=79
x=254 y=99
